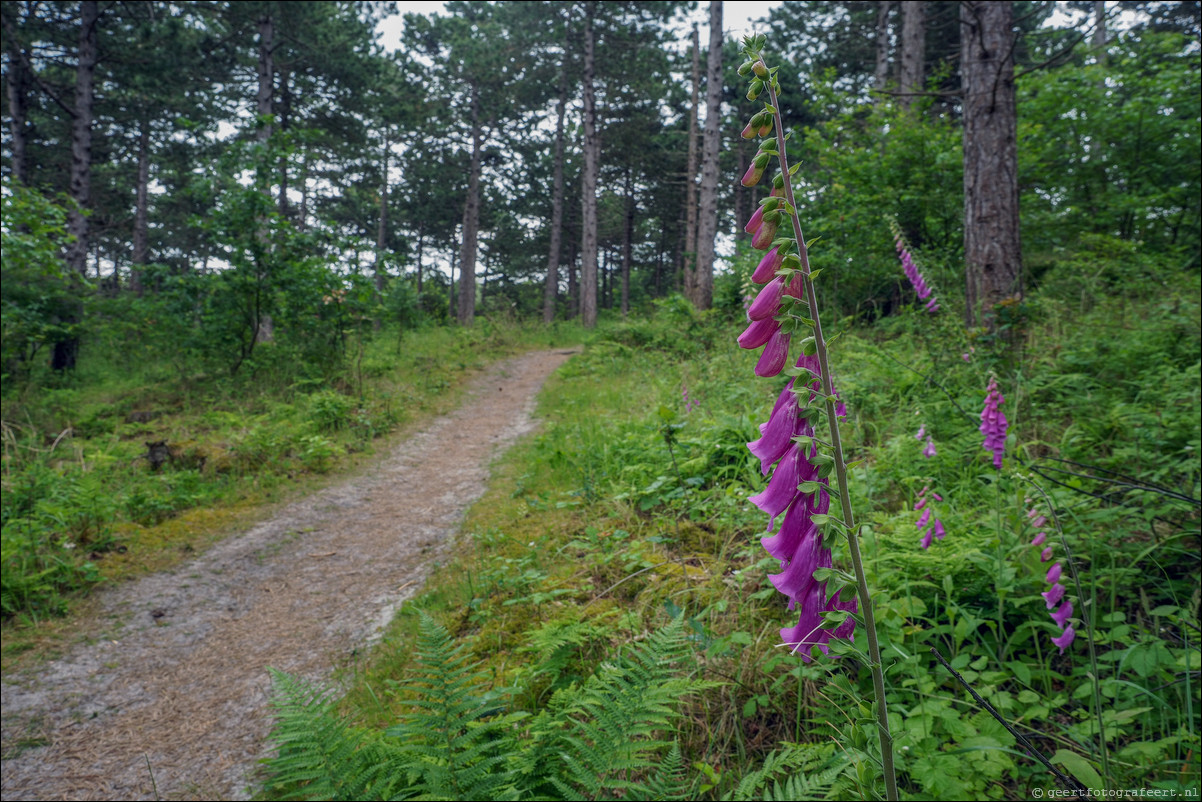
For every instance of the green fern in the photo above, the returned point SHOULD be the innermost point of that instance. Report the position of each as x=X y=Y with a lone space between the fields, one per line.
x=458 y=739
x=320 y=757
x=813 y=771
x=603 y=739
x=605 y=735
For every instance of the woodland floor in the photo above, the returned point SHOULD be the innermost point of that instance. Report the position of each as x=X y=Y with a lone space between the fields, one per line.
x=169 y=697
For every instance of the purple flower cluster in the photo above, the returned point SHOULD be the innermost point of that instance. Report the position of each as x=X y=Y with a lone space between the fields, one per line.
x=1054 y=595
x=935 y=531
x=994 y=423
x=689 y=403
x=799 y=490
x=914 y=274
x=929 y=450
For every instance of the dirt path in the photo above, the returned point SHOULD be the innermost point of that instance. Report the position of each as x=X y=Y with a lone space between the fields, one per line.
x=181 y=690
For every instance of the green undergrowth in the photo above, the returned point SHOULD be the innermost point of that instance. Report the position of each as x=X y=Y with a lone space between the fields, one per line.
x=88 y=497
x=628 y=513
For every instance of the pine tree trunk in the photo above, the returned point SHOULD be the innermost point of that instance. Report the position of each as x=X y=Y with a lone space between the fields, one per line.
x=992 y=253
x=81 y=137
x=17 y=80
x=421 y=241
x=573 y=275
x=588 y=256
x=266 y=72
x=707 y=214
x=471 y=221
x=913 y=50
x=285 y=122
x=382 y=231
x=141 y=243
x=627 y=243
x=66 y=352
x=689 y=256
x=880 y=75
x=1099 y=31
x=551 y=289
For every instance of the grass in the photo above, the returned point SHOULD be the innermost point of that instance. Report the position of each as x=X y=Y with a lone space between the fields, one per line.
x=82 y=504
x=595 y=532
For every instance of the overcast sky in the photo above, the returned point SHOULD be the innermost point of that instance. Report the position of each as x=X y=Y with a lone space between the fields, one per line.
x=736 y=18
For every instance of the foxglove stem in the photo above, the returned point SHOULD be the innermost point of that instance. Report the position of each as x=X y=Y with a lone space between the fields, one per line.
x=853 y=540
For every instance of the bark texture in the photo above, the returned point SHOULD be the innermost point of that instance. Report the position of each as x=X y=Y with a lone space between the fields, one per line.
x=992 y=254
x=913 y=50
x=707 y=213
x=471 y=221
x=81 y=137
x=266 y=71
x=18 y=82
x=588 y=182
x=880 y=75
x=551 y=289
x=689 y=255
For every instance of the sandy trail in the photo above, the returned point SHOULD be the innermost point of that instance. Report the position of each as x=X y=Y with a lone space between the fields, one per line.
x=176 y=701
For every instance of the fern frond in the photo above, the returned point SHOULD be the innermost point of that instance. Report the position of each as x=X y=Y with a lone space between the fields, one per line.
x=457 y=736
x=813 y=770
x=601 y=738
x=319 y=756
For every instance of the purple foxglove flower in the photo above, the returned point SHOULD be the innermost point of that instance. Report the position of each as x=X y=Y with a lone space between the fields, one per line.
x=929 y=451
x=782 y=487
x=753 y=175
x=1053 y=596
x=754 y=223
x=994 y=423
x=932 y=305
x=922 y=502
x=766 y=270
x=767 y=303
x=926 y=539
x=1054 y=574
x=924 y=519
x=940 y=532
x=966 y=357
x=1063 y=614
x=796 y=578
x=1045 y=555
x=777 y=434
x=1066 y=638
x=1039 y=539
x=937 y=497
x=772 y=360
x=764 y=236
x=797 y=528
x=758 y=333
x=922 y=432
x=1038 y=522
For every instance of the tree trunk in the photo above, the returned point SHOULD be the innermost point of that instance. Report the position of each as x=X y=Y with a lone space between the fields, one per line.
x=421 y=239
x=141 y=244
x=302 y=222
x=992 y=254
x=573 y=280
x=880 y=75
x=382 y=231
x=266 y=70
x=707 y=214
x=551 y=290
x=913 y=50
x=471 y=221
x=1099 y=31
x=451 y=290
x=627 y=243
x=17 y=79
x=592 y=153
x=66 y=352
x=689 y=253
x=285 y=121
x=81 y=137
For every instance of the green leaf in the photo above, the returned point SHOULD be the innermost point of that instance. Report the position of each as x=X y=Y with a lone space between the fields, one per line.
x=1080 y=768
